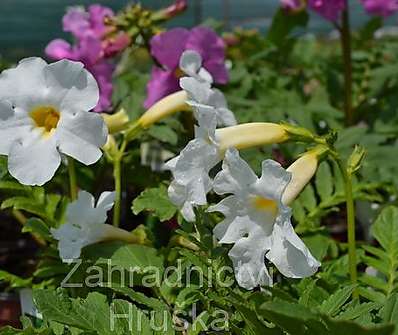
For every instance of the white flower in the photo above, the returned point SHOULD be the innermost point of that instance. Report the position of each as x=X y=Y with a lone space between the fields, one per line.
x=201 y=96
x=44 y=113
x=191 y=64
x=258 y=223
x=85 y=225
x=191 y=168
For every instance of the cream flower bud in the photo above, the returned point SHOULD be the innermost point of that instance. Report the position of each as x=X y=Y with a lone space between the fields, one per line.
x=249 y=135
x=116 y=122
x=302 y=171
x=173 y=103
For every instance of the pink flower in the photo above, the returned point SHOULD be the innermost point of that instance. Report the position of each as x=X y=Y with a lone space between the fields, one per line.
x=82 y=24
x=293 y=5
x=167 y=49
x=380 y=7
x=93 y=47
x=329 y=9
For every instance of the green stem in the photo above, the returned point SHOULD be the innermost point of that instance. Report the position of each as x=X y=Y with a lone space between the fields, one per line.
x=117 y=175
x=352 y=251
x=72 y=179
x=345 y=35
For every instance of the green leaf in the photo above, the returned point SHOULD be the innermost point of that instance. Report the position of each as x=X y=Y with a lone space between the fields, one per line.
x=283 y=24
x=389 y=312
x=131 y=257
x=164 y=134
x=288 y=316
x=138 y=297
x=37 y=227
x=333 y=304
x=198 y=325
x=90 y=314
x=384 y=258
x=324 y=181
x=14 y=281
x=156 y=201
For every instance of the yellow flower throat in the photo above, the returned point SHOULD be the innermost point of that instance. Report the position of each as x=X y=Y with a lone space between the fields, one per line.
x=265 y=205
x=45 y=117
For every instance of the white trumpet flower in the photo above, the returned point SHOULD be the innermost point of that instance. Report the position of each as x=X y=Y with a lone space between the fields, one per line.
x=201 y=96
x=191 y=168
x=44 y=113
x=258 y=223
x=85 y=225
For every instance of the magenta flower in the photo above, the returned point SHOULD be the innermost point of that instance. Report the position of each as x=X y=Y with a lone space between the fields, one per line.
x=380 y=7
x=293 y=5
x=329 y=9
x=82 y=24
x=93 y=47
x=167 y=49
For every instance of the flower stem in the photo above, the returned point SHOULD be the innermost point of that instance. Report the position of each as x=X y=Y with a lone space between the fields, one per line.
x=117 y=176
x=345 y=35
x=352 y=252
x=72 y=179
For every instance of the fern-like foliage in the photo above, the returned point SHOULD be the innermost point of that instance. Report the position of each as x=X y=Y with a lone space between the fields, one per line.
x=326 y=195
x=383 y=260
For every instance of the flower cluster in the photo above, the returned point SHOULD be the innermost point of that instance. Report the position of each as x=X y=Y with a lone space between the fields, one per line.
x=167 y=49
x=93 y=48
x=331 y=10
x=380 y=7
x=257 y=219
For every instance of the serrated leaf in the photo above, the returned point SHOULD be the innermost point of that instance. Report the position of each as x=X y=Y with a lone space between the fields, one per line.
x=385 y=258
x=138 y=297
x=332 y=305
x=389 y=312
x=130 y=257
x=156 y=201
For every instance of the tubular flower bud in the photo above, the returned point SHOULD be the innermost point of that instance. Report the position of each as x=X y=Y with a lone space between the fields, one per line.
x=302 y=171
x=116 y=122
x=249 y=135
x=174 y=103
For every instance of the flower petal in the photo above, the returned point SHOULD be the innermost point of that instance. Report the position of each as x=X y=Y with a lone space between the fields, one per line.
x=106 y=200
x=190 y=62
x=25 y=84
x=162 y=84
x=179 y=196
x=76 y=21
x=34 y=159
x=167 y=47
x=236 y=175
x=59 y=49
x=81 y=136
x=207 y=43
x=289 y=253
x=247 y=256
x=218 y=71
x=273 y=181
x=71 y=86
